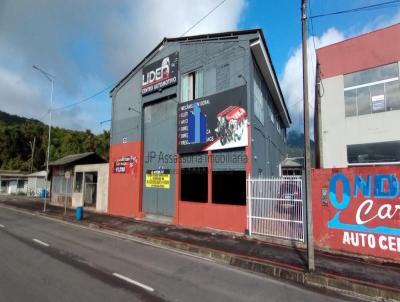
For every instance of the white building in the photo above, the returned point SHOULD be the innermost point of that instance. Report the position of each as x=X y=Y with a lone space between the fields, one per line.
x=357 y=109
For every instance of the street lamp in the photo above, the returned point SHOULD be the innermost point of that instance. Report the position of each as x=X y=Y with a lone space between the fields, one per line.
x=51 y=79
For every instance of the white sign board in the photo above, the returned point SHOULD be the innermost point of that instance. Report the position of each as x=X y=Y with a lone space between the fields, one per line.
x=67 y=175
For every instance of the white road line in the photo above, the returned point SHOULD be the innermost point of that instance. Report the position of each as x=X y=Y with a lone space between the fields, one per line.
x=40 y=242
x=111 y=233
x=129 y=280
x=2 y=226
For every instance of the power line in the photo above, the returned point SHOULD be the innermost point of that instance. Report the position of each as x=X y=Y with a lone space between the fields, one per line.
x=85 y=99
x=205 y=16
x=112 y=85
x=358 y=9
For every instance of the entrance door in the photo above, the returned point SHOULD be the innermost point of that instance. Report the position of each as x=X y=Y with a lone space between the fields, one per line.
x=90 y=189
x=159 y=149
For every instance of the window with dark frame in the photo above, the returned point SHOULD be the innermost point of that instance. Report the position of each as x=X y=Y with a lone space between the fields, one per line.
x=374 y=152
x=78 y=182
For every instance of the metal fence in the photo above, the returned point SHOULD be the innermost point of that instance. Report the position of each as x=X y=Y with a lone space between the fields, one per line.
x=275 y=207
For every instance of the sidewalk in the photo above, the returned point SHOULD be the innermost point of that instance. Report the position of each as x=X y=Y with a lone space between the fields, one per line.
x=341 y=273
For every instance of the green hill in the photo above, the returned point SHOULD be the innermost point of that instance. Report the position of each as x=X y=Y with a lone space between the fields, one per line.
x=17 y=132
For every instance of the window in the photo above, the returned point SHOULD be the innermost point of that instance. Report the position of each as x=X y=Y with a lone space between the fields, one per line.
x=192 y=86
x=363 y=101
x=194 y=177
x=258 y=100
x=392 y=93
x=20 y=184
x=78 y=182
x=229 y=187
x=350 y=98
x=271 y=113
x=374 y=152
x=194 y=184
x=373 y=90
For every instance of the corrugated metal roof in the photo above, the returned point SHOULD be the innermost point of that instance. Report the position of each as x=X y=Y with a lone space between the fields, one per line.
x=70 y=159
x=293 y=162
x=12 y=173
x=38 y=174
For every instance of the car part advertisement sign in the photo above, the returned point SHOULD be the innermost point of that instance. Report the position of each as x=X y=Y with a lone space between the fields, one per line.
x=214 y=122
x=362 y=215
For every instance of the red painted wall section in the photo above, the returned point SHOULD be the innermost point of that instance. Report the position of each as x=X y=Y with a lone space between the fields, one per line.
x=372 y=49
x=217 y=216
x=125 y=188
x=368 y=223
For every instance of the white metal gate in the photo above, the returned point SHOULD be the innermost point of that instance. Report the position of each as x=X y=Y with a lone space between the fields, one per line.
x=275 y=207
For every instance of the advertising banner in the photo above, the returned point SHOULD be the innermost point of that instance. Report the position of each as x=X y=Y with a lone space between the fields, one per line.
x=214 y=122
x=158 y=179
x=125 y=164
x=357 y=210
x=161 y=74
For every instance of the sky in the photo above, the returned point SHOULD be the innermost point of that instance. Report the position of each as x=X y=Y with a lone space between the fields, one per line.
x=88 y=45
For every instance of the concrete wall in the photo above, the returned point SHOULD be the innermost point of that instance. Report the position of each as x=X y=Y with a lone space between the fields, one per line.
x=338 y=131
x=354 y=211
x=102 y=186
x=35 y=183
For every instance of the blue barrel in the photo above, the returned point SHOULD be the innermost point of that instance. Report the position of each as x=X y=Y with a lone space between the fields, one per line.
x=42 y=193
x=79 y=213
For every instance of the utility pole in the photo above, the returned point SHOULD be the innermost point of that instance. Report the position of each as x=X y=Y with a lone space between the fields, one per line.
x=307 y=158
x=51 y=79
x=32 y=152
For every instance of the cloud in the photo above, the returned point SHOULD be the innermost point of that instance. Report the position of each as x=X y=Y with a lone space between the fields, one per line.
x=292 y=78
x=87 y=45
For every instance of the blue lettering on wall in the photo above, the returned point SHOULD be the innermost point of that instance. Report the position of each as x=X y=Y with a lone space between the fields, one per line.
x=346 y=191
x=362 y=185
x=379 y=186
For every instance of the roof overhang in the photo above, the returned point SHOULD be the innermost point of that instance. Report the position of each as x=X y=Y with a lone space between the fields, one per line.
x=264 y=63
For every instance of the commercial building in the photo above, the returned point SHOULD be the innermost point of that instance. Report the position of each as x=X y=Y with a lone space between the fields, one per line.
x=13 y=182
x=72 y=181
x=190 y=122
x=357 y=109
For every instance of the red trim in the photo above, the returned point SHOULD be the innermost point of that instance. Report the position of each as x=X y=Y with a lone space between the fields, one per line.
x=209 y=176
x=366 y=51
x=125 y=189
x=177 y=188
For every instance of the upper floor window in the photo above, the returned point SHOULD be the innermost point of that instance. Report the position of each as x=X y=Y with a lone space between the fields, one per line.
x=258 y=100
x=373 y=90
x=192 y=86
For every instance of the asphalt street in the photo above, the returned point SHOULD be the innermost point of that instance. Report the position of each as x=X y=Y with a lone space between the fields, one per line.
x=45 y=260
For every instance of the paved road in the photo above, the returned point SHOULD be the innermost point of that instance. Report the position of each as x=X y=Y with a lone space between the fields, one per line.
x=45 y=260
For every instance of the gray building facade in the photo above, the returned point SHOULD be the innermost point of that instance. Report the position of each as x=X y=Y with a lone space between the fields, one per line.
x=164 y=152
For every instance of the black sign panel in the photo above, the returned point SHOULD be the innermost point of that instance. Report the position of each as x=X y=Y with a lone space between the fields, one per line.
x=214 y=122
x=161 y=74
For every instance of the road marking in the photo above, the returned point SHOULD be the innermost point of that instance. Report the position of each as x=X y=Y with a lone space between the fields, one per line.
x=40 y=242
x=2 y=226
x=129 y=280
x=110 y=233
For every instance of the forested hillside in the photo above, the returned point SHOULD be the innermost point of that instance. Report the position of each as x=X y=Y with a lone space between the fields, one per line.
x=16 y=133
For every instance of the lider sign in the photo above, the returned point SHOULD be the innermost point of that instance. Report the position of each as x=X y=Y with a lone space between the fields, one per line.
x=364 y=213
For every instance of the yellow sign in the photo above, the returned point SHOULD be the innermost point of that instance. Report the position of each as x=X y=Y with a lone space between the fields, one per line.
x=158 y=179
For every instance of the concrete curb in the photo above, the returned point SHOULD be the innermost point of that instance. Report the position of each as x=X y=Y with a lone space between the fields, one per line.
x=345 y=286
